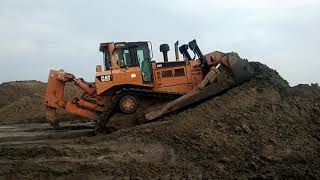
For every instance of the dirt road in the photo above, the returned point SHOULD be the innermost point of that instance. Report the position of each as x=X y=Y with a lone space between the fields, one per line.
x=33 y=132
x=37 y=151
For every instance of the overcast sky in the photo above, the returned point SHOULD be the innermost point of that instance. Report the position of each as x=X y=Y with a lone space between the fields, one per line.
x=36 y=35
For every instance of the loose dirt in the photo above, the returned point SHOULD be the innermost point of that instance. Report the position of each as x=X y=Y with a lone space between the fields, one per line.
x=264 y=129
x=22 y=101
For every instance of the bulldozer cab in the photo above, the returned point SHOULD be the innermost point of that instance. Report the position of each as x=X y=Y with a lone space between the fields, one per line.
x=123 y=55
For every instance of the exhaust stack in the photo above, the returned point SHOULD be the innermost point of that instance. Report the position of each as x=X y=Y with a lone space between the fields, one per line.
x=176 y=50
x=164 y=48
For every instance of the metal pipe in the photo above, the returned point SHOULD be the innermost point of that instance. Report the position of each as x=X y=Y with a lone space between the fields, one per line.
x=176 y=50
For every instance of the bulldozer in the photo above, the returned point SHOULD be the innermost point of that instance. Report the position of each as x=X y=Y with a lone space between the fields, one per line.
x=130 y=76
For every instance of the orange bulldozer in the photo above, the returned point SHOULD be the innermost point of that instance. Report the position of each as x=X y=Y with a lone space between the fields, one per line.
x=129 y=77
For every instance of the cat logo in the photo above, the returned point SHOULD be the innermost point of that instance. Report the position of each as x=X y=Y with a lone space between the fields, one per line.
x=106 y=78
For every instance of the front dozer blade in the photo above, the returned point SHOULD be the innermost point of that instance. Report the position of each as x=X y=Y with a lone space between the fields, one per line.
x=51 y=117
x=53 y=98
x=240 y=68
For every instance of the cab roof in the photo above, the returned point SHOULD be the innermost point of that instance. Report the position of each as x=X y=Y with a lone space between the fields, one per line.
x=104 y=46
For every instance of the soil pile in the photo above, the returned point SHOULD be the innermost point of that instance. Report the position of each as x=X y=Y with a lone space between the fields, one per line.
x=264 y=129
x=22 y=101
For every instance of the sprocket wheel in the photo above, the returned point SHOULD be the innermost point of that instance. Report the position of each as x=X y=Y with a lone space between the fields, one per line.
x=128 y=104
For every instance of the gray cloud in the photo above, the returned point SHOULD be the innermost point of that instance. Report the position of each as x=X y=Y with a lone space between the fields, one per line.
x=42 y=34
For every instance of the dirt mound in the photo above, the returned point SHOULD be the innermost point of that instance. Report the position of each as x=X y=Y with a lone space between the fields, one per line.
x=264 y=129
x=12 y=91
x=22 y=101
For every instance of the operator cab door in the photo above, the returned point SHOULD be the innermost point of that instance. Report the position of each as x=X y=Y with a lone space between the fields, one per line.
x=142 y=54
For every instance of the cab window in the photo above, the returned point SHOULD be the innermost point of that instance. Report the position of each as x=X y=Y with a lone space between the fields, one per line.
x=140 y=56
x=125 y=58
x=106 y=60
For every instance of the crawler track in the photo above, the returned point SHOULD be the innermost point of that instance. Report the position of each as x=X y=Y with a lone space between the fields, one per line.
x=148 y=101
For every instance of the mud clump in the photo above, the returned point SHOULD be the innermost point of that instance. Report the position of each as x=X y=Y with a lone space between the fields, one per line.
x=263 y=129
x=22 y=101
